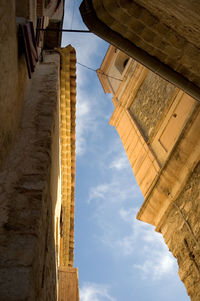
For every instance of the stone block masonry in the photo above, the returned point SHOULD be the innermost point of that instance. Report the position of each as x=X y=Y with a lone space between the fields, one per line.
x=68 y=284
x=181 y=231
x=164 y=32
x=156 y=91
x=13 y=78
x=27 y=250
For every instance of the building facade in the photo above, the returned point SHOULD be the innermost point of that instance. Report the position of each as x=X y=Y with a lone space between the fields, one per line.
x=159 y=127
x=37 y=158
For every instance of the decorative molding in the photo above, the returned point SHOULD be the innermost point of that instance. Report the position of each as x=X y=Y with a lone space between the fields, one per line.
x=67 y=134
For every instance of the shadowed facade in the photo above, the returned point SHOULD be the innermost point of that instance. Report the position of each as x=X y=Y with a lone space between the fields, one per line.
x=37 y=159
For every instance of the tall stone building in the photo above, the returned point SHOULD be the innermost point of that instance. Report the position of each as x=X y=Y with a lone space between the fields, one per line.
x=159 y=128
x=162 y=35
x=37 y=158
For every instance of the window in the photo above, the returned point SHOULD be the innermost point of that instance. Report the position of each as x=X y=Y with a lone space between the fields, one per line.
x=121 y=62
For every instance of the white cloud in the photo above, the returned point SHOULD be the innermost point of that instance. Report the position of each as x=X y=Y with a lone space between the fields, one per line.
x=126 y=245
x=83 y=122
x=119 y=184
x=157 y=264
x=95 y=292
x=88 y=122
x=119 y=162
x=113 y=191
x=128 y=215
x=125 y=236
x=157 y=260
x=98 y=192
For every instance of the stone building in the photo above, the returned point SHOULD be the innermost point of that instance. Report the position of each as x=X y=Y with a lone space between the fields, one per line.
x=162 y=35
x=37 y=158
x=159 y=127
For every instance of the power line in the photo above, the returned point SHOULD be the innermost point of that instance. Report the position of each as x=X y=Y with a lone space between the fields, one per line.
x=100 y=71
x=86 y=67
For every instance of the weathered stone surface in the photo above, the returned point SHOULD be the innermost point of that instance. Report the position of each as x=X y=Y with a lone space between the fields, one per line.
x=15 y=276
x=13 y=77
x=181 y=15
x=27 y=251
x=181 y=231
x=150 y=102
x=68 y=284
x=170 y=32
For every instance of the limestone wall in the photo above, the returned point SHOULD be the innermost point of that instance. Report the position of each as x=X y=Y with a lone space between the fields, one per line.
x=181 y=231
x=27 y=250
x=180 y=15
x=27 y=9
x=13 y=77
x=150 y=102
x=68 y=284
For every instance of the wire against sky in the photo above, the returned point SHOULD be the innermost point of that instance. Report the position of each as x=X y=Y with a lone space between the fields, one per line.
x=100 y=71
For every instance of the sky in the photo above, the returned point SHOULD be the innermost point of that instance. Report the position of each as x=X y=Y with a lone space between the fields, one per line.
x=118 y=257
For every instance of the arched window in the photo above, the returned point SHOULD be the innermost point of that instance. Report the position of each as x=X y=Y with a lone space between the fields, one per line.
x=125 y=62
x=121 y=62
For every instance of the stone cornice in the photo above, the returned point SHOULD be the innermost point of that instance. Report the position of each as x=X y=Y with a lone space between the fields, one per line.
x=67 y=140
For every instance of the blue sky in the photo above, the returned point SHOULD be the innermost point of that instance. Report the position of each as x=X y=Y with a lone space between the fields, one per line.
x=119 y=258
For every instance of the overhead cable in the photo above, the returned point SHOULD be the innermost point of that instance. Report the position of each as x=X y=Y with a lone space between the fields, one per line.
x=100 y=71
